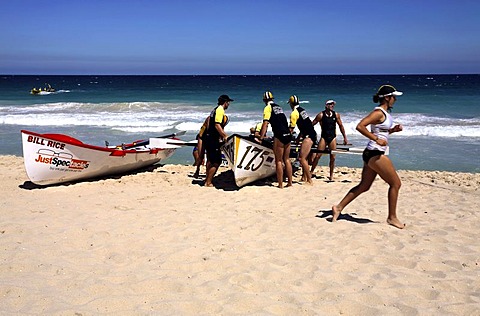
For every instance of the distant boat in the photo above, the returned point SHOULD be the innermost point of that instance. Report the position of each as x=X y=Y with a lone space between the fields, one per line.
x=42 y=91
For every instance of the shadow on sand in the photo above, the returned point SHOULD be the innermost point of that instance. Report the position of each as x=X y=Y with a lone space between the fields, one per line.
x=226 y=181
x=28 y=185
x=346 y=217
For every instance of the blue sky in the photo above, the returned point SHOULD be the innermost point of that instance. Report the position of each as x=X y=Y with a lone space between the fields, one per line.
x=239 y=37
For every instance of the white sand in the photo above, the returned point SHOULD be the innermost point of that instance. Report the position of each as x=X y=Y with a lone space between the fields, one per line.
x=156 y=243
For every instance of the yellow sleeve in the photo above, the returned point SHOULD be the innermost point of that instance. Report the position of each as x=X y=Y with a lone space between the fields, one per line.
x=202 y=129
x=219 y=113
x=267 y=113
x=293 y=118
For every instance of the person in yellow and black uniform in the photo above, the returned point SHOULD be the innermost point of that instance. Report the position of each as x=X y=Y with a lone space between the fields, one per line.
x=255 y=130
x=300 y=118
x=215 y=136
x=273 y=114
x=199 y=150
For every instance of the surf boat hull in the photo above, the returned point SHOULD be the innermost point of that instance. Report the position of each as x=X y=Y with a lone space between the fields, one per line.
x=249 y=160
x=57 y=158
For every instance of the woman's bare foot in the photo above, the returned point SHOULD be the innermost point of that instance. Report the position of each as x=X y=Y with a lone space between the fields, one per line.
x=208 y=185
x=396 y=223
x=336 y=212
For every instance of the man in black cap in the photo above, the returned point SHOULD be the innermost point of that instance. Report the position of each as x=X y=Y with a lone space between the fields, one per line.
x=215 y=137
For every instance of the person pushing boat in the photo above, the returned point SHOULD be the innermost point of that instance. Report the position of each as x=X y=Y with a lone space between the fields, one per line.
x=215 y=137
x=273 y=114
x=300 y=118
x=198 y=151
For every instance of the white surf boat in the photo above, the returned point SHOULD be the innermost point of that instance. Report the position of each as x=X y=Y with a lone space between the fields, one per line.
x=249 y=160
x=57 y=158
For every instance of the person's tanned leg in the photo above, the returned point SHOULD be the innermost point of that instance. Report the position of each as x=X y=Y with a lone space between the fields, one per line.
x=387 y=172
x=368 y=175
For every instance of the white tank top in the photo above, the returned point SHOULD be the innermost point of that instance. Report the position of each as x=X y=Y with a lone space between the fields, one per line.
x=381 y=131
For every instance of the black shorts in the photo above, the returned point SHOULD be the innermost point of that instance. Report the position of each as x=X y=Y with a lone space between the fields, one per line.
x=367 y=154
x=214 y=154
x=284 y=138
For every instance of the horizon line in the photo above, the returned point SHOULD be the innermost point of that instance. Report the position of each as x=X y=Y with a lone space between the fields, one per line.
x=241 y=75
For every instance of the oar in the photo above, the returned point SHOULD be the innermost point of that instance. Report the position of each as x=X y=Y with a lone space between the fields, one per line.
x=170 y=143
x=192 y=143
x=340 y=150
x=147 y=141
x=172 y=135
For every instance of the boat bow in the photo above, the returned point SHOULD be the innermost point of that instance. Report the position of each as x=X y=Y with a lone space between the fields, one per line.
x=249 y=160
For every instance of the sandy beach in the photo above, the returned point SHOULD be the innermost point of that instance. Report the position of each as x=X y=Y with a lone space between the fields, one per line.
x=156 y=242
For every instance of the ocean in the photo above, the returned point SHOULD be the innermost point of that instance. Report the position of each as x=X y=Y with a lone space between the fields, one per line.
x=440 y=114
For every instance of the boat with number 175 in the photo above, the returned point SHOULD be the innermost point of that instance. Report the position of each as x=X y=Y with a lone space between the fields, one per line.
x=251 y=161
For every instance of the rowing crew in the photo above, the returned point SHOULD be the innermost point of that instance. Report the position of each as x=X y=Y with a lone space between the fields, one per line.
x=374 y=156
x=307 y=138
x=328 y=120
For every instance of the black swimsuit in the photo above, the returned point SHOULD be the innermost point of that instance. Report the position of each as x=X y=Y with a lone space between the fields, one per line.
x=329 y=125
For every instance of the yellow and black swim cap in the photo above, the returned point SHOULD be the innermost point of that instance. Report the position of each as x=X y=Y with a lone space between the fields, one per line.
x=293 y=100
x=267 y=96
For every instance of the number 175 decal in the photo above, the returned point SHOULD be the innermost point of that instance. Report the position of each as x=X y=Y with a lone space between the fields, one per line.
x=253 y=153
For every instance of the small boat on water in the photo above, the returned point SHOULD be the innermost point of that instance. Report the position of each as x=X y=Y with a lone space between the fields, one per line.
x=57 y=158
x=41 y=91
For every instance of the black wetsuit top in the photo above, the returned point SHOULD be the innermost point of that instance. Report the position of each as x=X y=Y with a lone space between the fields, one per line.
x=305 y=124
x=329 y=126
x=278 y=120
x=279 y=123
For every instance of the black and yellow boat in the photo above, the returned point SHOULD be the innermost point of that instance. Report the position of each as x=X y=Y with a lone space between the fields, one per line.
x=45 y=90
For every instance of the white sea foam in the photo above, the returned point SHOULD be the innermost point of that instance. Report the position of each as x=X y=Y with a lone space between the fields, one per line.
x=157 y=117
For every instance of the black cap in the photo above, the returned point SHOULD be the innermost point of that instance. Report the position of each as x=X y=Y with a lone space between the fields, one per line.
x=224 y=98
